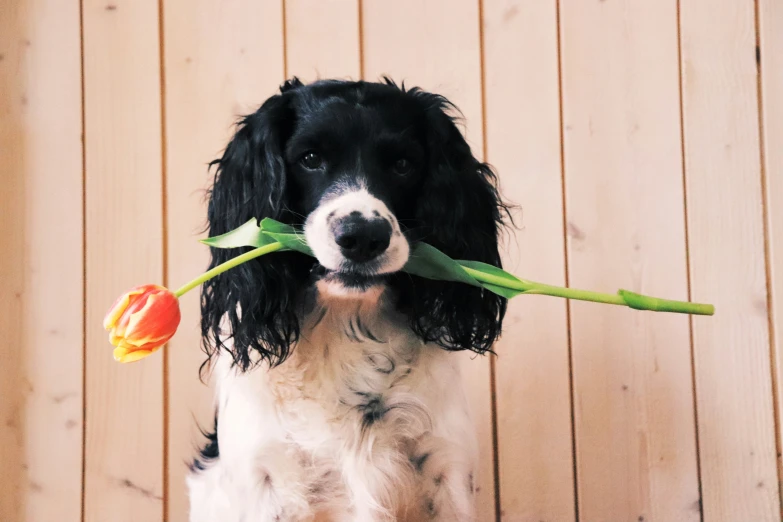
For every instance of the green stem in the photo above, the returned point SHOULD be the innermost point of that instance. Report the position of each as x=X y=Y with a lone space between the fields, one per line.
x=231 y=263
x=530 y=287
x=622 y=298
x=580 y=295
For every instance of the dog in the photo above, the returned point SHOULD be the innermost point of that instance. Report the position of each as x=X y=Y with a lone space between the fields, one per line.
x=338 y=392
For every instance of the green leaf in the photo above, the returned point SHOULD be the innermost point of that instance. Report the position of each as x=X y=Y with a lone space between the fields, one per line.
x=429 y=262
x=252 y=235
x=657 y=304
x=289 y=236
x=494 y=271
x=249 y=234
x=502 y=291
x=637 y=301
x=503 y=283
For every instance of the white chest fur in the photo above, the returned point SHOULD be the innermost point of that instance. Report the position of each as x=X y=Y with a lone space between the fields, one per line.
x=363 y=422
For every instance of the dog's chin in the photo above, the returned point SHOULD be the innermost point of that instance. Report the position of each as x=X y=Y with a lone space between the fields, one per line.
x=355 y=281
x=349 y=282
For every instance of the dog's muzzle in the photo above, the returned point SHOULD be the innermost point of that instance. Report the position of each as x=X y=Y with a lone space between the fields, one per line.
x=356 y=233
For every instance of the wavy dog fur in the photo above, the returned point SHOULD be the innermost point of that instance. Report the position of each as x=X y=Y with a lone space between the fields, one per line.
x=460 y=213
x=337 y=397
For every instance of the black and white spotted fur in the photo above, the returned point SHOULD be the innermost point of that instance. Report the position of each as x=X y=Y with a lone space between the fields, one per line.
x=338 y=395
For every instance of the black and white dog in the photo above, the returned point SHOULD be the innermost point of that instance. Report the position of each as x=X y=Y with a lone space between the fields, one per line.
x=338 y=395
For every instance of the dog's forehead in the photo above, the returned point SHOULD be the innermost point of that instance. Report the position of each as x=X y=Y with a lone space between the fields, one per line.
x=370 y=108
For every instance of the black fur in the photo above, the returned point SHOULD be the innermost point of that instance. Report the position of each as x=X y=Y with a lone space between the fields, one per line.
x=449 y=200
x=372 y=411
x=209 y=452
x=418 y=461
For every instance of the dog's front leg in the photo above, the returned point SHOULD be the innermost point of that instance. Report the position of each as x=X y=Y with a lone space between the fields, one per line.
x=378 y=481
x=446 y=487
x=279 y=487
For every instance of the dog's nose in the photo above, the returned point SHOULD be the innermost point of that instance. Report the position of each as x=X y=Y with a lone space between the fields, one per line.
x=361 y=239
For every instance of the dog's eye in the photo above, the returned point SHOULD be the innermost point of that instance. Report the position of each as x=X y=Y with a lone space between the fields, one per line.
x=402 y=167
x=312 y=161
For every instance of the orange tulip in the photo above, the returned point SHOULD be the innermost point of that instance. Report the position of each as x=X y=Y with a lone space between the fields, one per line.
x=141 y=321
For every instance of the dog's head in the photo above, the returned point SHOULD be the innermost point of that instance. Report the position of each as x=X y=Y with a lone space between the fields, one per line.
x=368 y=169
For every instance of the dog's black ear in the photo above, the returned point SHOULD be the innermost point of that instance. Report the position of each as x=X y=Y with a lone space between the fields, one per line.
x=251 y=175
x=247 y=310
x=459 y=213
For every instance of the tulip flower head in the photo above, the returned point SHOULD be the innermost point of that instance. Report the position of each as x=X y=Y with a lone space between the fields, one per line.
x=141 y=321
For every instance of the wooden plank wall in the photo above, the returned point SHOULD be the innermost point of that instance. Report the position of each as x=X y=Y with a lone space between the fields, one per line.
x=41 y=268
x=631 y=372
x=124 y=248
x=642 y=143
x=534 y=422
x=720 y=62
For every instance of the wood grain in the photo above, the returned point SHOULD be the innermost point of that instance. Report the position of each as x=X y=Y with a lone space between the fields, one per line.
x=222 y=60
x=322 y=39
x=770 y=28
x=626 y=212
x=523 y=144
x=124 y=415
x=635 y=429
x=726 y=239
x=456 y=74
x=41 y=265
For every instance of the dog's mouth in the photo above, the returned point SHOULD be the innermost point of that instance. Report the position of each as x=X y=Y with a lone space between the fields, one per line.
x=354 y=280
x=350 y=277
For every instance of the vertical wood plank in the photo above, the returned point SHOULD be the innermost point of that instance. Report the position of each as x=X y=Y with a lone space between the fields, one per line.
x=635 y=427
x=732 y=350
x=532 y=370
x=124 y=415
x=41 y=265
x=770 y=27
x=322 y=39
x=455 y=73
x=222 y=60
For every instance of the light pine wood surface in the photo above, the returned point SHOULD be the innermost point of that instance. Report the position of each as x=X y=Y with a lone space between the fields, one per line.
x=640 y=142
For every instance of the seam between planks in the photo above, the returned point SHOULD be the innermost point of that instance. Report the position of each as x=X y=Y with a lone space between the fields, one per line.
x=765 y=204
x=681 y=89
x=284 y=21
x=164 y=250
x=360 y=30
x=493 y=402
x=84 y=262
x=566 y=274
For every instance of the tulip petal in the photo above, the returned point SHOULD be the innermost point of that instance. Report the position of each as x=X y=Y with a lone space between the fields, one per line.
x=155 y=322
x=119 y=307
x=138 y=303
x=124 y=356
